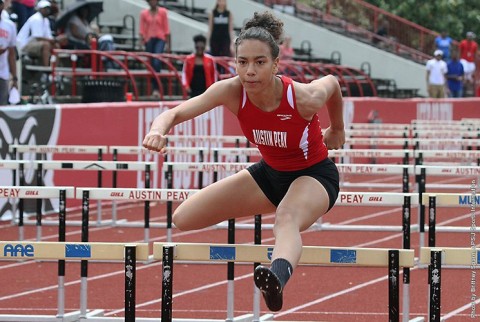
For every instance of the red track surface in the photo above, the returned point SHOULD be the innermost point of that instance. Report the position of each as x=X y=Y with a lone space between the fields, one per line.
x=315 y=293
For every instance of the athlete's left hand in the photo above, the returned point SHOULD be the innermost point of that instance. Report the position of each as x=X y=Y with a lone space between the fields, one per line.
x=333 y=138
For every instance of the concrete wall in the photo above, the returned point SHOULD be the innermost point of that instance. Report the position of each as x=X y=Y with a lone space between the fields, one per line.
x=407 y=74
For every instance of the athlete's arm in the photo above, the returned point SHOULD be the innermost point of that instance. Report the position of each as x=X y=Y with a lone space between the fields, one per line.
x=317 y=94
x=219 y=93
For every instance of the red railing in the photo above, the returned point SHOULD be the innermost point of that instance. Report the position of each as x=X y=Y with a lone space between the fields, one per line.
x=353 y=82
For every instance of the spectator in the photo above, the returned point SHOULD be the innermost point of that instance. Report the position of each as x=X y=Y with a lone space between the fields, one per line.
x=382 y=33
x=455 y=75
x=436 y=70
x=198 y=69
x=468 y=51
x=7 y=55
x=5 y=13
x=286 y=49
x=24 y=9
x=220 y=30
x=155 y=34
x=78 y=30
x=35 y=38
x=443 y=42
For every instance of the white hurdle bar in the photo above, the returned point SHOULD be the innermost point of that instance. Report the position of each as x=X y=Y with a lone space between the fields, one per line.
x=35 y=192
x=62 y=251
x=201 y=152
x=419 y=143
x=67 y=149
x=465 y=133
x=458 y=156
x=404 y=154
x=404 y=142
x=402 y=133
x=364 y=257
x=379 y=126
x=231 y=139
x=377 y=169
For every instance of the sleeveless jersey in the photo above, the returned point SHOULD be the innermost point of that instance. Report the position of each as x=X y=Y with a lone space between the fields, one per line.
x=287 y=142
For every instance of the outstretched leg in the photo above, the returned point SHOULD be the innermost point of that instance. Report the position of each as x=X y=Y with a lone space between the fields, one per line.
x=305 y=201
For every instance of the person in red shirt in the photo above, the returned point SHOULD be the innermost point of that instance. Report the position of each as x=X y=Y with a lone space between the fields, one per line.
x=199 y=71
x=155 y=34
x=468 y=52
x=295 y=178
x=286 y=50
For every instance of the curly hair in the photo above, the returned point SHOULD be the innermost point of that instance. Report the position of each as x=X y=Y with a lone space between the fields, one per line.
x=264 y=27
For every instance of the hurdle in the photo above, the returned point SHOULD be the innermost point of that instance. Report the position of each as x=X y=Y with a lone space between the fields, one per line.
x=420 y=143
x=434 y=200
x=396 y=142
x=435 y=133
x=421 y=172
x=80 y=165
x=465 y=156
x=377 y=169
x=379 y=126
x=45 y=152
x=129 y=253
x=378 y=132
x=403 y=154
x=209 y=139
x=34 y=192
x=393 y=259
x=438 y=257
x=133 y=194
x=18 y=149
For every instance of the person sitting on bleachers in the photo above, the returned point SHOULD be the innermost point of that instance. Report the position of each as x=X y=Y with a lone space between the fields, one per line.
x=35 y=39
x=78 y=30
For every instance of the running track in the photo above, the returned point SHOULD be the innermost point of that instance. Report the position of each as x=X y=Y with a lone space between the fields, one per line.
x=313 y=294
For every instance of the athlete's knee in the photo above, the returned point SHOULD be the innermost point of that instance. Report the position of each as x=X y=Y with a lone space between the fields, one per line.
x=285 y=217
x=180 y=220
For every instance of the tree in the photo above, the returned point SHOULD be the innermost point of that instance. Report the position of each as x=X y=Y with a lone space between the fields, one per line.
x=454 y=16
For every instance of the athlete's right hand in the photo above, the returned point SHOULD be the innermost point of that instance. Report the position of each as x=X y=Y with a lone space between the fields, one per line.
x=155 y=141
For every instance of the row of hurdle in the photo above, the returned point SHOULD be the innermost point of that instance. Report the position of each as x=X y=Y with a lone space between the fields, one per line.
x=129 y=253
x=405 y=200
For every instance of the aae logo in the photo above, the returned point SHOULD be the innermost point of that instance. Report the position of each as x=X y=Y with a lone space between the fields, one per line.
x=18 y=250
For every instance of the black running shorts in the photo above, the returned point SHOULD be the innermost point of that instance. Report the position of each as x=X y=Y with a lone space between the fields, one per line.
x=275 y=184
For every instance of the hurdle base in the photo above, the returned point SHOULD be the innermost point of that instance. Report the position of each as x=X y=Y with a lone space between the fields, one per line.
x=418 y=319
x=69 y=317
x=92 y=315
x=249 y=318
x=242 y=318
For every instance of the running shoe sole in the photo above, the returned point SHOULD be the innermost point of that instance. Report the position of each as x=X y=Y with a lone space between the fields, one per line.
x=270 y=286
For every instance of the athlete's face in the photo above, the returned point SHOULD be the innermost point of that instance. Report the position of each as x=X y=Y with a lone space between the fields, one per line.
x=255 y=65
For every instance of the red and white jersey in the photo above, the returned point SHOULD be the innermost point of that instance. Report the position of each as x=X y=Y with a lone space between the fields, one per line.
x=286 y=141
